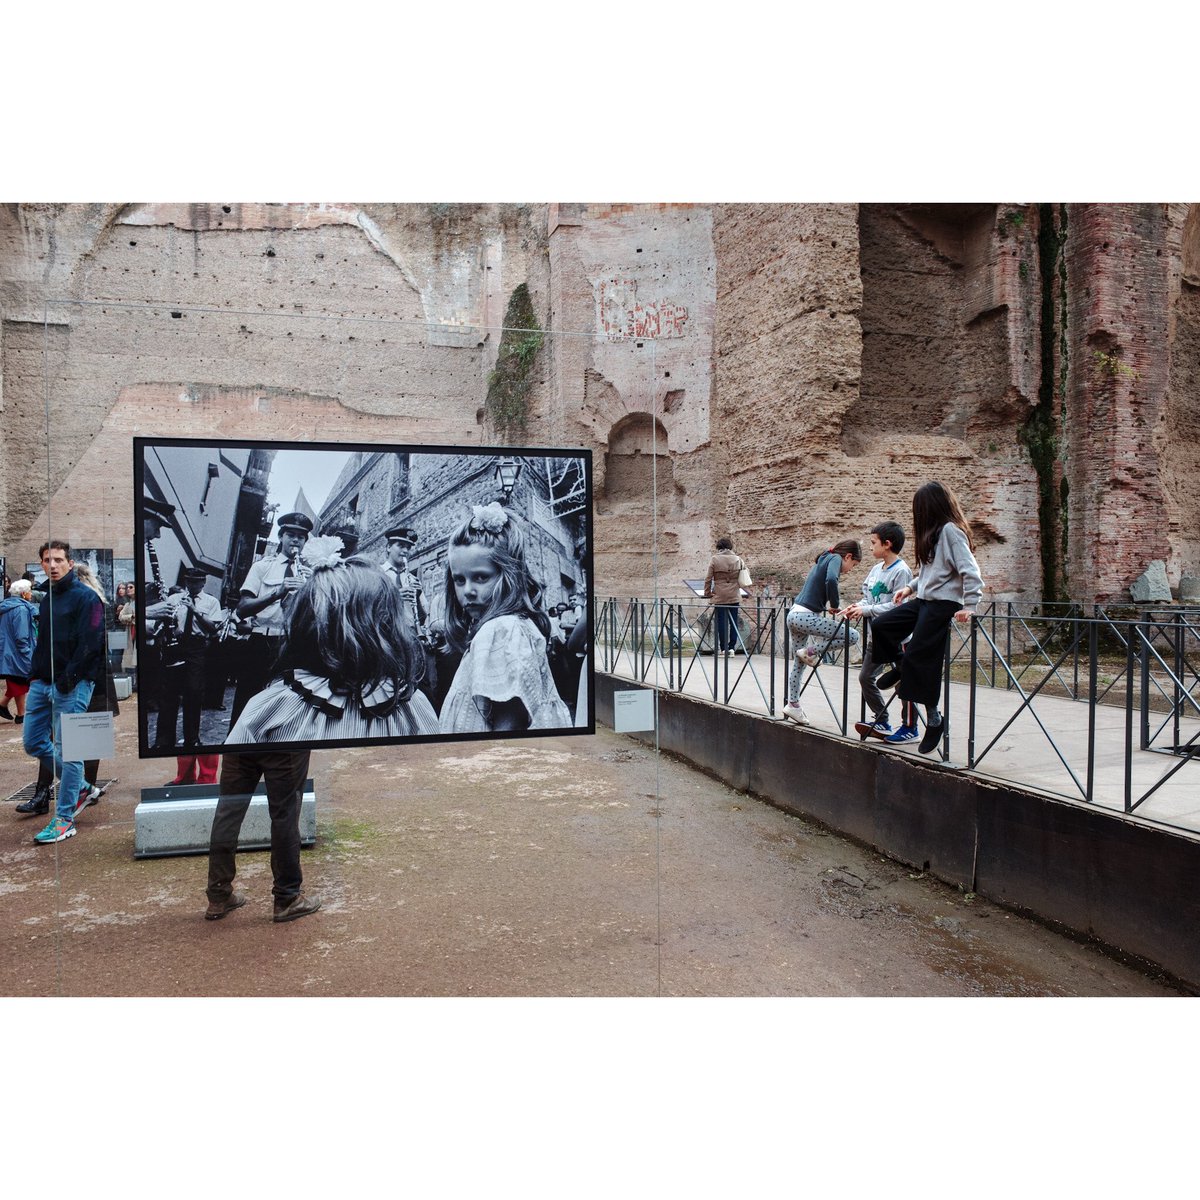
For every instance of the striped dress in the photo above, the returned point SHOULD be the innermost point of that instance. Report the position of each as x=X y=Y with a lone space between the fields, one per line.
x=302 y=707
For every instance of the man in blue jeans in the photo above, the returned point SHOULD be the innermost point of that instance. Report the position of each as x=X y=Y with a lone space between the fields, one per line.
x=68 y=662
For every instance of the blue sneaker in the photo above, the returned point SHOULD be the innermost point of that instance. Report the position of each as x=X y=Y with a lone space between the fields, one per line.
x=902 y=736
x=57 y=831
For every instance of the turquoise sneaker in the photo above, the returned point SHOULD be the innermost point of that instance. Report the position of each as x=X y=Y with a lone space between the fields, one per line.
x=57 y=831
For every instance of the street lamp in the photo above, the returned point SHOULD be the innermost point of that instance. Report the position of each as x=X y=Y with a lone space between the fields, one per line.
x=508 y=471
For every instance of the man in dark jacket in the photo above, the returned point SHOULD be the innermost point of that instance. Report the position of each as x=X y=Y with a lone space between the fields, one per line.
x=68 y=662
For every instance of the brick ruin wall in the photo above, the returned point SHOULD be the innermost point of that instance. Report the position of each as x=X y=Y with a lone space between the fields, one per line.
x=327 y=313
x=787 y=374
x=1178 y=436
x=862 y=351
x=1118 y=277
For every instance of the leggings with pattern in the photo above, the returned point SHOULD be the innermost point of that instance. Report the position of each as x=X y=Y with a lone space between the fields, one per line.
x=804 y=625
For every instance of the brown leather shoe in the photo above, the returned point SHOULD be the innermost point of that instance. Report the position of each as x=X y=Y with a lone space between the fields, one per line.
x=300 y=906
x=218 y=908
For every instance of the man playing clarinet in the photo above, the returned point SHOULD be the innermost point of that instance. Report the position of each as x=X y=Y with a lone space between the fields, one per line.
x=269 y=583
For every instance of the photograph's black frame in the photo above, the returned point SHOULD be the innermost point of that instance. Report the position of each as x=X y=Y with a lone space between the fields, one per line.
x=140 y=444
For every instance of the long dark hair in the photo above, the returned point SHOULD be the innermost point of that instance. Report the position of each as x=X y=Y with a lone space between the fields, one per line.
x=516 y=593
x=934 y=506
x=845 y=546
x=348 y=624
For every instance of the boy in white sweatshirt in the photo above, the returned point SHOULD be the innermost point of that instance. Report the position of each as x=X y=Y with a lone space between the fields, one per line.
x=886 y=577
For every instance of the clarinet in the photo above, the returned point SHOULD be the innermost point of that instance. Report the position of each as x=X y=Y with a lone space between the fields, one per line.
x=165 y=637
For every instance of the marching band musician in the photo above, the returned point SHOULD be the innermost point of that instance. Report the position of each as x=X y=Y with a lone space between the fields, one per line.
x=156 y=515
x=270 y=583
x=401 y=542
x=349 y=536
x=195 y=616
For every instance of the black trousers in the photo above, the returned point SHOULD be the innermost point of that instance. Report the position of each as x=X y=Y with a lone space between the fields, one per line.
x=921 y=663
x=182 y=684
x=284 y=773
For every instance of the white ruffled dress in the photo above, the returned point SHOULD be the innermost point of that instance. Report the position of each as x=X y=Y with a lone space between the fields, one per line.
x=506 y=660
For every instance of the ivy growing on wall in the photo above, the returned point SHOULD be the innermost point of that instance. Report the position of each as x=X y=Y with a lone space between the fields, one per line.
x=506 y=405
x=1043 y=433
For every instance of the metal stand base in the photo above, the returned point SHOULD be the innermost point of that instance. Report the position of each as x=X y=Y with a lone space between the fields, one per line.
x=178 y=819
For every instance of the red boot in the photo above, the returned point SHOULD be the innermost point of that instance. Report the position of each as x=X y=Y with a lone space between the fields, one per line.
x=185 y=770
x=206 y=767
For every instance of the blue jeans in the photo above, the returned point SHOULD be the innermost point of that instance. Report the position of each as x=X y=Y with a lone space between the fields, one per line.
x=726 y=633
x=44 y=709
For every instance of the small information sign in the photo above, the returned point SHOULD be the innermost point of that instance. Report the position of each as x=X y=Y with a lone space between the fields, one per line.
x=633 y=712
x=88 y=735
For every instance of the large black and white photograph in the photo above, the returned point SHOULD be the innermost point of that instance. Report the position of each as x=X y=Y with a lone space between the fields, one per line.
x=300 y=595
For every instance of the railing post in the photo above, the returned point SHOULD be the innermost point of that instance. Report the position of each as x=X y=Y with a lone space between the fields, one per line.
x=612 y=634
x=723 y=657
x=946 y=699
x=1093 y=669
x=677 y=644
x=717 y=657
x=992 y=647
x=614 y=649
x=1129 y=666
x=1075 y=681
x=771 y=689
x=1008 y=649
x=971 y=708
x=845 y=674
x=1178 y=702
x=639 y=661
x=1144 y=676
x=787 y=647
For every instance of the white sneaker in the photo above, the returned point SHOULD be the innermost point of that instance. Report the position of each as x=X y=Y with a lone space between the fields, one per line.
x=809 y=656
x=796 y=713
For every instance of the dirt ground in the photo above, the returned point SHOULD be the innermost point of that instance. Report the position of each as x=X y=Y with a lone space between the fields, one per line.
x=545 y=867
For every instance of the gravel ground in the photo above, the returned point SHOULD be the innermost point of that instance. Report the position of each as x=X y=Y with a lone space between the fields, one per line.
x=544 y=867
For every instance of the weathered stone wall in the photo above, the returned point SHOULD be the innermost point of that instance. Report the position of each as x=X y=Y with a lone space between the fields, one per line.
x=862 y=351
x=639 y=281
x=1177 y=439
x=1118 y=275
x=950 y=345
x=787 y=374
x=382 y=310
x=789 y=349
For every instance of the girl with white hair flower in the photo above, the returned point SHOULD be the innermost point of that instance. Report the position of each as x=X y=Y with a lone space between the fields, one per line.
x=495 y=619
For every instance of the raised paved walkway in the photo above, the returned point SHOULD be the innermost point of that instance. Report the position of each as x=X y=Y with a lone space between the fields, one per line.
x=1024 y=753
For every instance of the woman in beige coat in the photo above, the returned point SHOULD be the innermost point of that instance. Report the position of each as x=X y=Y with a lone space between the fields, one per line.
x=722 y=587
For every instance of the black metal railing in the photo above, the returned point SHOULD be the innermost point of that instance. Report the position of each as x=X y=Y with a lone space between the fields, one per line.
x=1140 y=668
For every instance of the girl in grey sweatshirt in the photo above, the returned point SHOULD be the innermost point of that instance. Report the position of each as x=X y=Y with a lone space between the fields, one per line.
x=947 y=587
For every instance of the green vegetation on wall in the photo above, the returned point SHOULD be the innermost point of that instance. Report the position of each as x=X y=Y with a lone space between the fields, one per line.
x=1043 y=433
x=508 y=385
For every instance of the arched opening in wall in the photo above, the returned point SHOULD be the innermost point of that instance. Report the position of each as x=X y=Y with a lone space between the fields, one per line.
x=637 y=457
x=931 y=355
x=1181 y=425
